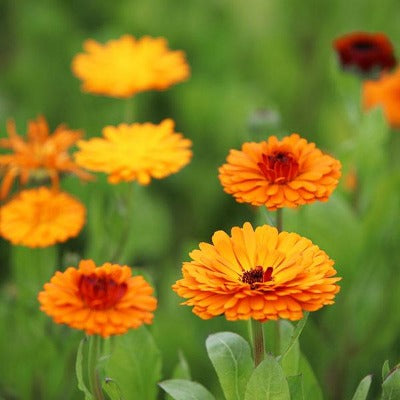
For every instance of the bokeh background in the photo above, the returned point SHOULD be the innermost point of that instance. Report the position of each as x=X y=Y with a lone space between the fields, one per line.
x=259 y=67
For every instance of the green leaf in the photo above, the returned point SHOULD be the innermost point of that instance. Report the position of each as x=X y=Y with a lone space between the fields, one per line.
x=385 y=370
x=231 y=357
x=267 y=382
x=296 y=387
x=296 y=334
x=135 y=364
x=363 y=389
x=112 y=389
x=391 y=385
x=181 y=389
x=289 y=346
x=311 y=388
x=79 y=371
x=181 y=370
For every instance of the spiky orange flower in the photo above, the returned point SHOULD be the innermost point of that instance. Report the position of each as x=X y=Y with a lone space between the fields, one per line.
x=41 y=217
x=278 y=174
x=259 y=274
x=384 y=92
x=136 y=152
x=41 y=155
x=125 y=66
x=106 y=300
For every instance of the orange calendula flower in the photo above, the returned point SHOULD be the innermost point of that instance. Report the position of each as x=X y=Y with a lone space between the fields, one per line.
x=123 y=67
x=136 y=152
x=105 y=300
x=41 y=217
x=259 y=274
x=41 y=155
x=278 y=174
x=384 y=92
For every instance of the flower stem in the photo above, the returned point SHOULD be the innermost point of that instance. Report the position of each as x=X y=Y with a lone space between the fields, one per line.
x=279 y=219
x=258 y=341
x=129 y=111
x=93 y=358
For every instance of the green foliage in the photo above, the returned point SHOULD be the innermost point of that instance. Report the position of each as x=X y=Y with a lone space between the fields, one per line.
x=79 y=368
x=181 y=389
x=391 y=385
x=363 y=389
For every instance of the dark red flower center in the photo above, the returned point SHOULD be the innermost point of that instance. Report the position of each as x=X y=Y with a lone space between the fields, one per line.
x=364 y=45
x=257 y=274
x=279 y=167
x=100 y=293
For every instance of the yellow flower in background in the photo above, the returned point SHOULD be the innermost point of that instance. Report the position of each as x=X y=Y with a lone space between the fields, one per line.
x=278 y=174
x=259 y=274
x=41 y=217
x=105 y=300
x=40 y=155
x=136 y=152
x=126 y=66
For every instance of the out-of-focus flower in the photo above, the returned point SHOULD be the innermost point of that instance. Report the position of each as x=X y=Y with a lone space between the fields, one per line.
x=105 y=300
x=366 y=52
x=351 y=180
x=136 y=152
x=41 y=217
x=278 y=174
x=41 y=155
x=384 y=92
x=259 y=274
x=125 y=66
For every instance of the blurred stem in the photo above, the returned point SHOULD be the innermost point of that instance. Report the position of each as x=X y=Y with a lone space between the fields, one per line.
x=129 y=114
x=93 y=358
x=258 y=341
x=279 y=219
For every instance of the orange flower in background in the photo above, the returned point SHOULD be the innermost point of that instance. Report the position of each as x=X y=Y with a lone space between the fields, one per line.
x=367 y=52
x=259 y=274
x=105 y=300
x=136 y=152
x=41 y=217
x=126 y=66
x=41 y=155
x=384 y=92
x=278 y=174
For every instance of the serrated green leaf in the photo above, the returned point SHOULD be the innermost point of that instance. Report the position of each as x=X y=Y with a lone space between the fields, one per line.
x=391 y=385
x=181 y=370
x=181 y=389
x=311 y=388
x=295 y=387
x=385 y=370
x=79 y=372
x=363 y=389
x=135 y=364
x=231 y=357
x=267 y=382
x=112 y=389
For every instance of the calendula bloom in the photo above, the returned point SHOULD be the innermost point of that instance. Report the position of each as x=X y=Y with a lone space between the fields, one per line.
x=366 y=52
x=136 y=152
x=123 y=67
x=259 y=274
x=278 y=174
x=105 y=300
x=40 y=155
x=41 y=217
x=384 y=92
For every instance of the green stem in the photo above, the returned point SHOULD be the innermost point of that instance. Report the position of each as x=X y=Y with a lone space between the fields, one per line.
x=93 y=358
x=279 y=219
x=258 y=341
x=129 y=111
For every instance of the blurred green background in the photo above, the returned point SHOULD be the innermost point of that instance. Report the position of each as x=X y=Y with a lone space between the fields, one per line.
x=258 y=68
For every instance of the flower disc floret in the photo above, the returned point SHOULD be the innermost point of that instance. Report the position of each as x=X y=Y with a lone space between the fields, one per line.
x=105 y=300
x=278 y=174
x=257 y=273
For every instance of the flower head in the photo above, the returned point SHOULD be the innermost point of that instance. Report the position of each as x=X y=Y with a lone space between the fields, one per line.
x=136 y=152
x=259 y=274
x=41 y=155
x=123 y=67
x=106 y=300
x=278 y=174
x=366 y=52
x=384 y=92
x=41 y=217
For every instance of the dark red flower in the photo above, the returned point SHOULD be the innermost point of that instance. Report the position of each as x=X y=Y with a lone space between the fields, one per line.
x=366 y=52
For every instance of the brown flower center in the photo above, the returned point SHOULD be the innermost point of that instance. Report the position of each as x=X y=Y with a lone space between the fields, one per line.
x=279 y=167
x=100 y=293
x=257 y=274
